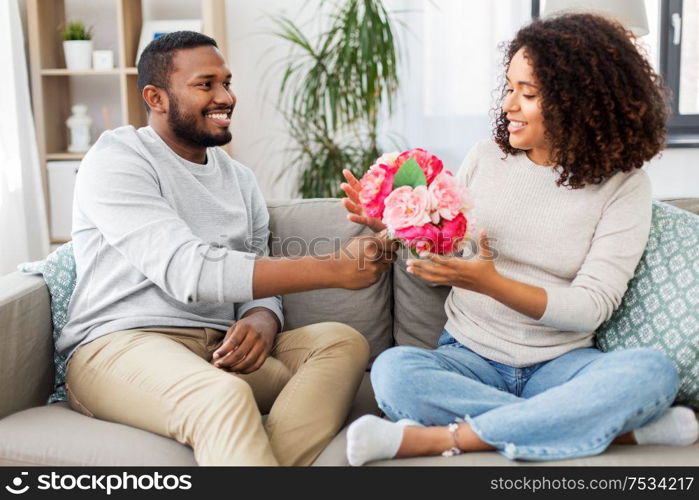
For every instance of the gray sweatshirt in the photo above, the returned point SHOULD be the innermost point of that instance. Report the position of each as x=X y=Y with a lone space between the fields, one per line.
x=162 y=241
x=582 y=246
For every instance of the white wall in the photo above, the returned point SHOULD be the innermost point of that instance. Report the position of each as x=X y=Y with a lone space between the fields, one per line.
x=675 y=173
x=256 y=60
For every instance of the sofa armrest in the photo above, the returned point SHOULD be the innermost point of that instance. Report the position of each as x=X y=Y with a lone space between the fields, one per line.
x=26 y=342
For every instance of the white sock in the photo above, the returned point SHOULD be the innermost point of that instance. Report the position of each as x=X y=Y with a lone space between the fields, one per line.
x=372 y=438
x=677 y=426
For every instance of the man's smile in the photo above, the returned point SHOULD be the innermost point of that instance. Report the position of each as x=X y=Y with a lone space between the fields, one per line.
x=222 y=118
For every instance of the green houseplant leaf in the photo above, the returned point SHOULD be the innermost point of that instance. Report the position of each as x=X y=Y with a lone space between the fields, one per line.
x=336 y=88
x=409 y=174
x=76 y=30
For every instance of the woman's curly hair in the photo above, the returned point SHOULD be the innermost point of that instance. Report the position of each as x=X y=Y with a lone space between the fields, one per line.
x=604 y=107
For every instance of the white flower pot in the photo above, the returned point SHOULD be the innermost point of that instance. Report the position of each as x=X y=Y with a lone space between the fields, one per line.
x=78 y=54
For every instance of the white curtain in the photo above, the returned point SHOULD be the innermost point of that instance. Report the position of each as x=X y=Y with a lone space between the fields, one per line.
x=450 y=69
x=23 y=227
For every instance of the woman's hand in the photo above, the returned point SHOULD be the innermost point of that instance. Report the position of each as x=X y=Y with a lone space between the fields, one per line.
x=478 y=274
x=351 y=202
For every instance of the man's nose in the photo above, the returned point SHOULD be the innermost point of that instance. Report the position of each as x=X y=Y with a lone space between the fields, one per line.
x=225 y=96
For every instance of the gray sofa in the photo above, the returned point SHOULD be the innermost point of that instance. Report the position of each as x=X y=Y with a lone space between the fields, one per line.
x=398 y=309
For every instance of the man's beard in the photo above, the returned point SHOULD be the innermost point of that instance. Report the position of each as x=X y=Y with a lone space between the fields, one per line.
x=184 y=126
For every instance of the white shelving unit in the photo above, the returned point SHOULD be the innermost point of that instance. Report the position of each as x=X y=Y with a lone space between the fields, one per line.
x=51 y=82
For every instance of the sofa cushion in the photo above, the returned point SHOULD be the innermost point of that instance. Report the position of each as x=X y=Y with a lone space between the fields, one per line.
x=418 y=308
x=615 y=455
x=661 y=306
x=57 y=435
x=320 y=226
x=58 y=271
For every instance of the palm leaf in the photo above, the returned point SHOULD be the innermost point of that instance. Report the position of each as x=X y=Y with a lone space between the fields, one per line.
x=333 y=88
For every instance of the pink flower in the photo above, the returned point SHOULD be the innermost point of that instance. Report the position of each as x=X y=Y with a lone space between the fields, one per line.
x=388 y=159
x=407 y=207
x=423 y=238
x=451 y=234
x=448 y=197
x=376 y=186
x=429 y=163
x=429 y=238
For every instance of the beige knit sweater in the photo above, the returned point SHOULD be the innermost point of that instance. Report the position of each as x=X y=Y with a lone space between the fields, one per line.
x=582 y=246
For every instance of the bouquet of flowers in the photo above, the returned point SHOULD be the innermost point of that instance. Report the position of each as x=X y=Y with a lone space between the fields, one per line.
x=422 y=205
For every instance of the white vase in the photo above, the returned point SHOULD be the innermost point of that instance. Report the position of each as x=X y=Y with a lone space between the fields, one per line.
x=79 y=125
x=78 y=54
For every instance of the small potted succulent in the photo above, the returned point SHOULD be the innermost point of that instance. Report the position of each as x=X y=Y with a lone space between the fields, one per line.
x=77 y=46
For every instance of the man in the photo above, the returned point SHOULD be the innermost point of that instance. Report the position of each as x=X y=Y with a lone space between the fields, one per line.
x=178 y=336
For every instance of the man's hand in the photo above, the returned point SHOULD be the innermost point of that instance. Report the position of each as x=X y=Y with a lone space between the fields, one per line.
x=351 y=203
x=248 y=342
x=363 y=259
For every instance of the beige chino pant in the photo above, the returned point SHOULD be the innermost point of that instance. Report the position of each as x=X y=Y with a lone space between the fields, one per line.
x=161 y=380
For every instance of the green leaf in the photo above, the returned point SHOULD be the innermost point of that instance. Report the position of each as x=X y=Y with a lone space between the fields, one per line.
x=409 y=174
x=337 y=88
x=76 y=30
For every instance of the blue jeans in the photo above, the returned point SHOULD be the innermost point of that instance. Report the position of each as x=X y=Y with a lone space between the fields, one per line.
x=571 y=406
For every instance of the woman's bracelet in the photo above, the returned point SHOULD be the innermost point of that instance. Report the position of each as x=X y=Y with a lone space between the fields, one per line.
x=454 y=450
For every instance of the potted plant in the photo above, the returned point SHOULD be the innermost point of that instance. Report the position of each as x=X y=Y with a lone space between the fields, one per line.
x=77 y=46
x=335 y=90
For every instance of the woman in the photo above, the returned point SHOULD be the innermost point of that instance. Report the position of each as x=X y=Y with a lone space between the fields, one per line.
x=561 y=191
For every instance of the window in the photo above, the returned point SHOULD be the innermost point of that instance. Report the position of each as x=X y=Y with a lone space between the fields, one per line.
x=673 y=50
x=462 y=59
x=452 y=66
x=679 y=65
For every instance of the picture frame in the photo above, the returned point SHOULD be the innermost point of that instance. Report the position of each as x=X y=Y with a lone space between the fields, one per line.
x=153 y=29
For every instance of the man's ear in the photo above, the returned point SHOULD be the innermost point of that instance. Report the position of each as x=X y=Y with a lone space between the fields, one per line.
x=156 y=98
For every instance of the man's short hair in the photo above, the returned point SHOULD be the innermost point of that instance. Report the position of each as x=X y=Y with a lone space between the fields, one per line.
x=155 y=64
